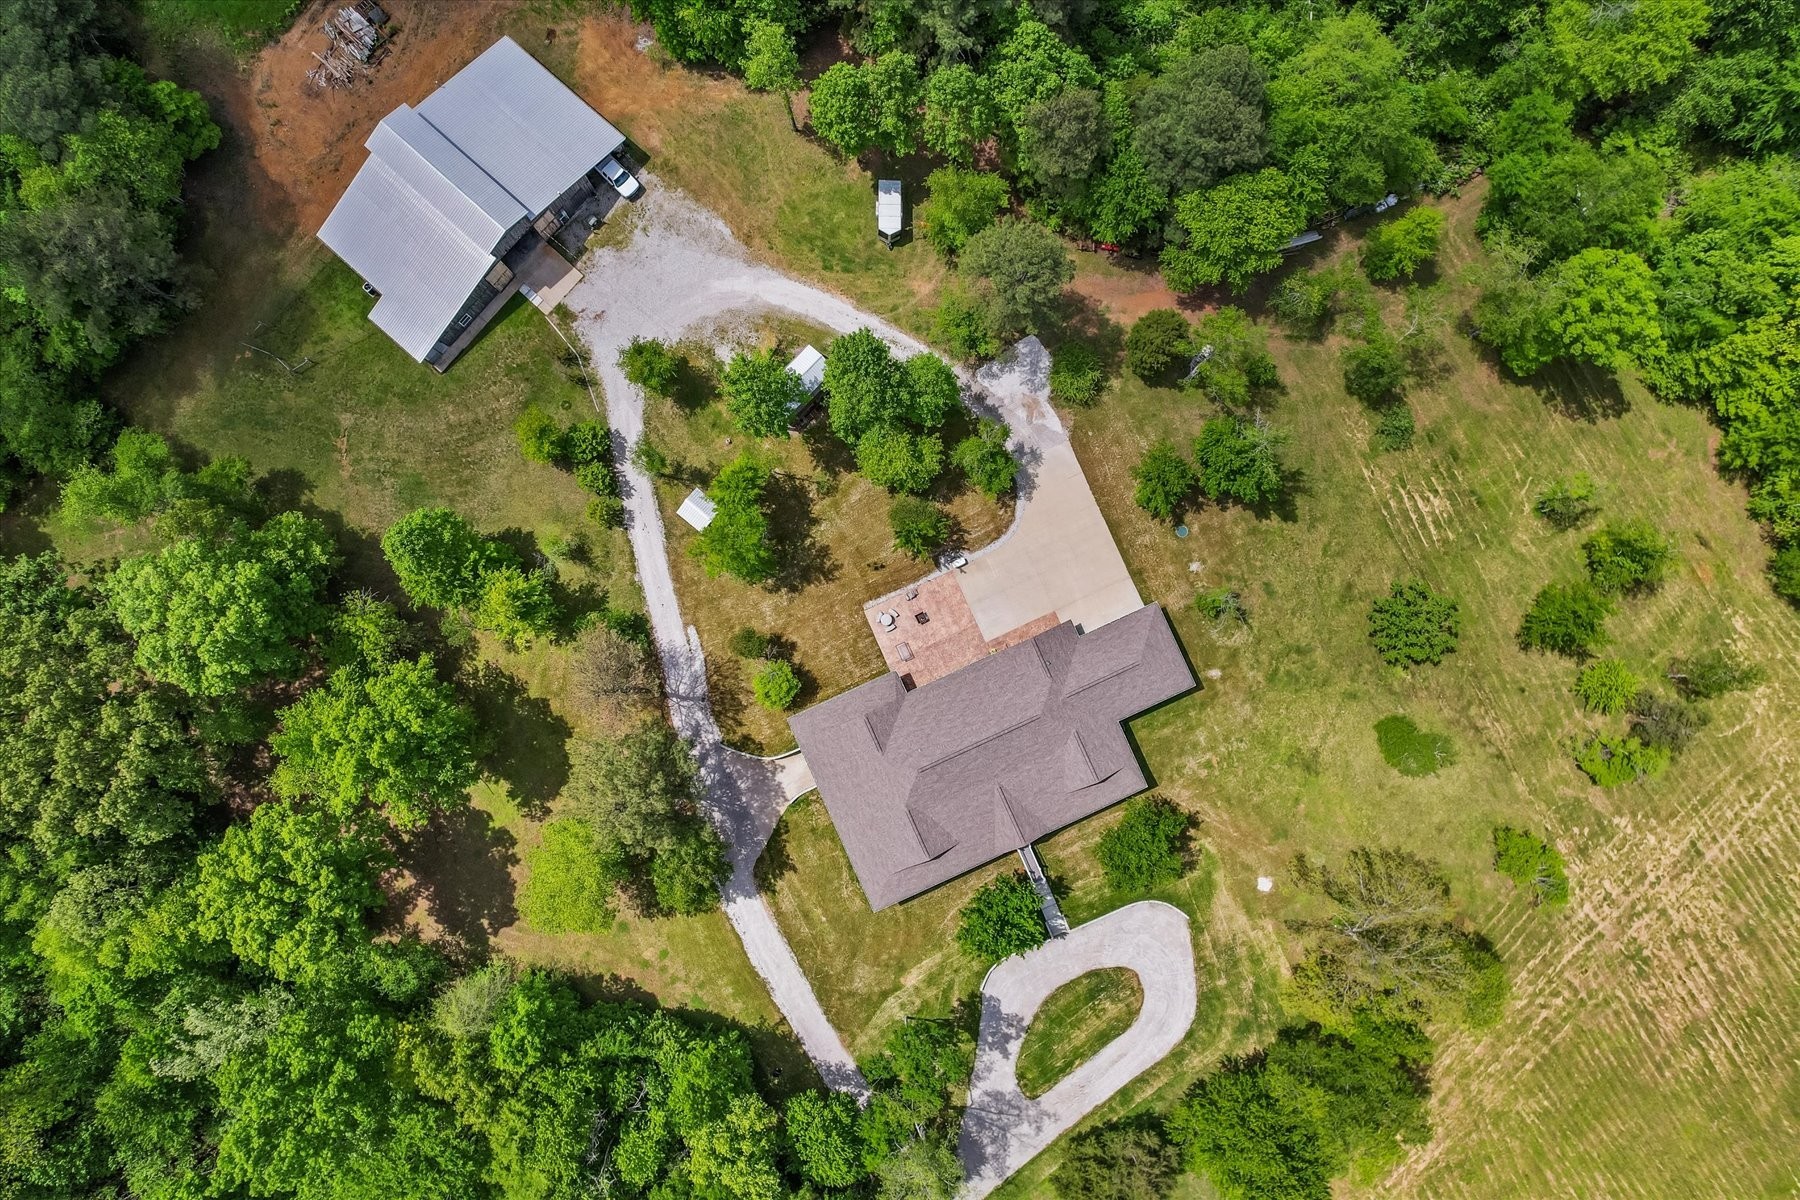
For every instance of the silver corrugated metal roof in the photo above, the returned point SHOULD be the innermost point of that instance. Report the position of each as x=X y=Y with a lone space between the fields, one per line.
x=446 y=178
x=446 y=181
x=518 y=121
x=422 y=262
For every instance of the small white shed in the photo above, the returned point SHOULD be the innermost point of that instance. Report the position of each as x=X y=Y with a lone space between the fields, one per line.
x=696 y=510
x=889 y=219
x=809 y=365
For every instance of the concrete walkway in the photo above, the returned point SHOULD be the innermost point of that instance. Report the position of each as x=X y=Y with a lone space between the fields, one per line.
x=1003 y=1130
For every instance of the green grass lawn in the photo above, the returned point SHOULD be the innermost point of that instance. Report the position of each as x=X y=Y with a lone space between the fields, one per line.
x=1077 y=1020
x=1600 y=1053
x=831 y=524
x=245 y=24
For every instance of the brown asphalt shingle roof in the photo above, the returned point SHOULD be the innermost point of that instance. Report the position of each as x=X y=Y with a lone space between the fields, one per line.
x=925 y=785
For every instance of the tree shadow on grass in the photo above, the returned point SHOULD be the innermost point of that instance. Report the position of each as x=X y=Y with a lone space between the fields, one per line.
x=464 y=863
x=695 y=385
x=529 y=740
x=804 y=559
x=830 y=453
x=775 y=862
x=1581 y=392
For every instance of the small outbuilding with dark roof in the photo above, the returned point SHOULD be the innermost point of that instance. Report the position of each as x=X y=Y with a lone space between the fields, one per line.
x=924 y=785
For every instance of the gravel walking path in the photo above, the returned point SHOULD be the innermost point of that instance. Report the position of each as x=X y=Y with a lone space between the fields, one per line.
x=1003 y=1129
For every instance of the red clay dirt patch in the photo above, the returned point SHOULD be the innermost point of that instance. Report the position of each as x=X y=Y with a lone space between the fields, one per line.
x=306 y=142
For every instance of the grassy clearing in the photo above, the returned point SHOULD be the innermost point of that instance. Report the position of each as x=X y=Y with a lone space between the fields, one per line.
x=1077 y=1020
x=244 y=24
x=1602 y=1049
x=831 y=523
x=784 y=195
x=870 y=969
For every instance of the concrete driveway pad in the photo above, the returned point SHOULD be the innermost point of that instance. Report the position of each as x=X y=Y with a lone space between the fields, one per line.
x=1003 y=1129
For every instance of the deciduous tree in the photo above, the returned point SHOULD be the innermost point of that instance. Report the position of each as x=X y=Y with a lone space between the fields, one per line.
x=1233 y=232
x=214 y=614
x=1020 y=269
x=1202 y=120
x=761 y=393
x=392 y=737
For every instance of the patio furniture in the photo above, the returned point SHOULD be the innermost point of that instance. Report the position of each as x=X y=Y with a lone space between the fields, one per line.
x=905 y=651
x=922 y=617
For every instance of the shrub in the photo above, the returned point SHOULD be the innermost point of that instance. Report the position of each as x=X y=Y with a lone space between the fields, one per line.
x=597 y=479
x=1374 y=372
x=1401 y=246
x=1302 y=302
x=1567 y=619
x=761 y=393
x=608 y=512
x=1222 y=604
x=564 y=893
x=647 y=457
x=1413 y=624
x=584 y=443
x=900 y=461
x=920 y=527
x=1076 y=374
x=1665 y=724
x=1164 y=480
x=748 y=643
x=1020 y=269
x=685 y=875
x=440 y=558
x=1713 y=673
x=736 y=541
x=960 y=205
x=1533 y=864
x=776 y=686
x=1569 y=504
x=1393 y=428
x=1630 y=556
x=984 y=458
x=820 y=1132
x=1411 y=750
x=1610 y=761
x=1784 y=574
x=539 y=434
x=1146 y=848
x=650 y=365
x=1232 y=361
x=1251 y=1142
x=1157 y=342
x=516 y=605
x=963 y=325
x=1239 y=460
x=1606 y=686
x=1002 y=919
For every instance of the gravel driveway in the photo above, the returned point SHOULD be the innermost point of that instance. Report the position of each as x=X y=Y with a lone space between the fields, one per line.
x=1002 y=1129
x=683 y=268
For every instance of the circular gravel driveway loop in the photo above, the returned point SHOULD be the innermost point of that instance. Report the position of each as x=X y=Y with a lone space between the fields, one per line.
x=1002 y=1129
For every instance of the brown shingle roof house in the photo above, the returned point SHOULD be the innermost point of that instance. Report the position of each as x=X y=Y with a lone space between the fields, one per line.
x=924 y=785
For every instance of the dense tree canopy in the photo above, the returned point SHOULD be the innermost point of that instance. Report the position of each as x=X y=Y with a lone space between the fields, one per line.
x=213 y=613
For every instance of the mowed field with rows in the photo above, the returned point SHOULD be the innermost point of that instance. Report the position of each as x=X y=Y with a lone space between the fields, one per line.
x=1648 y=1047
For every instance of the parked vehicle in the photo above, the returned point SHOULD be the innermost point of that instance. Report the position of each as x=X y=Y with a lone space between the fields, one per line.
x=614 y=172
